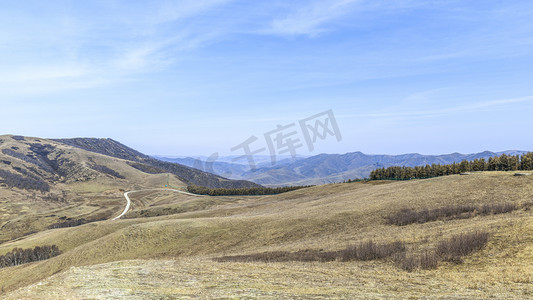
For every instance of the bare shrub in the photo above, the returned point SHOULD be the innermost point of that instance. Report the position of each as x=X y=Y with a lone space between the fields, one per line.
x=427 y=260
x=458 y=246
x=20 y=256
x=370 y=251
x=405 y=262
x=68 y=223
x=21 y=182
x=451 y=250
x=527 y=205
x=18 y=138
x=501 y=208
x=106 y=170
x=283 y=256
x=450 y=212
x=403 y=217
x=363 y=251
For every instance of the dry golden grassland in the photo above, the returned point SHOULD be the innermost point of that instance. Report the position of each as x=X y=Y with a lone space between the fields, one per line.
x=84 y=193
x=172 y=254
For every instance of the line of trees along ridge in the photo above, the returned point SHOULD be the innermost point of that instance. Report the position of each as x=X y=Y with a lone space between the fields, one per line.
x=201 y=190
x=503 y=162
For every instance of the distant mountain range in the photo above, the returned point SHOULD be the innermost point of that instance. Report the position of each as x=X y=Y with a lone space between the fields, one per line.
x=322 y=168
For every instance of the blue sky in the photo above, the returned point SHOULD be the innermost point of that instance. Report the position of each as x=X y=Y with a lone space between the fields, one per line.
x=197 y=77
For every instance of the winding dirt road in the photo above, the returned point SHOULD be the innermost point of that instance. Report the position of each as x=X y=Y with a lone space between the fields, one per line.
x=128 y=200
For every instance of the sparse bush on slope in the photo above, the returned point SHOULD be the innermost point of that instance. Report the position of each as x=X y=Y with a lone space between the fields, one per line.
x=368 y=250
x=450 y=212
x=426 y=260
x=28 y=159
x=18 y=138
x=450 y=250
x=20 y=256
x=21 y=182
x=146 y=168
x=371 y=251
x=458 y=246
x=106 y=170
x=453 y=250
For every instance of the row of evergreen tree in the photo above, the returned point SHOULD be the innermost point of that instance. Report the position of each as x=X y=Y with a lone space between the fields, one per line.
x=20 y=256
x=503 y=162
x=201 y=190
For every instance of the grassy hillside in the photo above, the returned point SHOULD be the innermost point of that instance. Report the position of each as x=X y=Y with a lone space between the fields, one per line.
x=53 y=183
x=79 y=185
x=145 y=163
x=176 y=237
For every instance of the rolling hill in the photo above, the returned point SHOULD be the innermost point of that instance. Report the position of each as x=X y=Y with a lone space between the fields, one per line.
x=145 y=163
x=291 y=245
x=168 y=245
x=46 y=183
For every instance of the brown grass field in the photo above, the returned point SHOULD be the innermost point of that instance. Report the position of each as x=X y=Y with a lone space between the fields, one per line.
x=165 y=247
x=89 y=194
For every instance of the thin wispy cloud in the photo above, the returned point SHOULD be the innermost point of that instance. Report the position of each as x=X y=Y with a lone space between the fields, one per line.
x=442 y=111
x=172 y=11
x=311 y=19
x=243 y=65
x=100 y=49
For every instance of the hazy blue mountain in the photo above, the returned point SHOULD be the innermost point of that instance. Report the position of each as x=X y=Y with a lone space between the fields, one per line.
x=326 y=168
x=226 y=167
